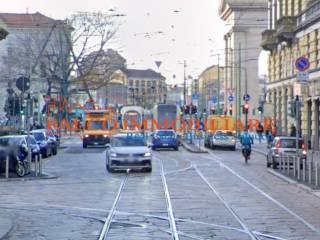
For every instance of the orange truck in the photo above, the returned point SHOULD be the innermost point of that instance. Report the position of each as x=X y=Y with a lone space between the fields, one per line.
x=98 y=127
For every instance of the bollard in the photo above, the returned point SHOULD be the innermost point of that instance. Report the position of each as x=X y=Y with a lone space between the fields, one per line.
x=316 y=174
x=299 y=167
x=7 y=167
x=288 y=166
x=36 y=165
x=280 y=162
x=303 y=170
x=310 y=172
x=294 y=166
x=40 y=164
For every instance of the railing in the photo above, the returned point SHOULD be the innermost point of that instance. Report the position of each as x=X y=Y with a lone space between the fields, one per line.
x=306 y=171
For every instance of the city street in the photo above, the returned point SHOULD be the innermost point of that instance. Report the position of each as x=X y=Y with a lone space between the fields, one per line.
x=187 y=196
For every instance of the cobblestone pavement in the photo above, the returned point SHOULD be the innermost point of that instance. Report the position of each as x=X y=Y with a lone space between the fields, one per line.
x=188 y=196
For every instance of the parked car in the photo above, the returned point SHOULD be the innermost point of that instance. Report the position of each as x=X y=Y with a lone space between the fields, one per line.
x=165 y=139
x=128 y=152
x=222 y=139
x=284 y=146
x=48 y=145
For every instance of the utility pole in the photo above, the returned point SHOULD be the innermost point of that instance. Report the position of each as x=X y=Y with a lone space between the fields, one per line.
x=184 y=83
x=218 y=97
x=297 y=105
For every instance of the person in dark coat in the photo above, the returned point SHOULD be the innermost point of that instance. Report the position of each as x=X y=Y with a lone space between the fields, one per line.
x=293 y=131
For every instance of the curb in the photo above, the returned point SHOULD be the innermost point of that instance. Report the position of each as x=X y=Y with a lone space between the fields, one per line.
x=289 y=180
x=6 y=227
x=45 y=176
x=188 y=148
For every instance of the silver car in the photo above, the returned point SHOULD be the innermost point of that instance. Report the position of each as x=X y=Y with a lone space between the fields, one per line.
x=284 y=146
x=223 y=139
x=128 y=152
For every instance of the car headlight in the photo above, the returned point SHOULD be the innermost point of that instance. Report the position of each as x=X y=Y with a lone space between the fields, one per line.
x=113 y=154
x=148 y=154
x=105 y=136
x=43 y=144
x=86 y=136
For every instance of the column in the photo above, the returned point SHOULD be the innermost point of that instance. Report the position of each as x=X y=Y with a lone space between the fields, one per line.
x=278 y=109
x=284 y=113
x=290 y=97
x=315 y=124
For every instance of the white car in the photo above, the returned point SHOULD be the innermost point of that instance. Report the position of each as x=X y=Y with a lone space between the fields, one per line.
x=127 y=151
x=223 y=139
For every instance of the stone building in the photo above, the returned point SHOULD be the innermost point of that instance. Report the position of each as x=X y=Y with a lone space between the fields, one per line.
x=208 y=82
x=145 y=88
x=245 y=20
x=294 y=31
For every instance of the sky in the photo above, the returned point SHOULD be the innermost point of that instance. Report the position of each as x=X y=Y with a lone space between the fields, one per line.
x=169 y=31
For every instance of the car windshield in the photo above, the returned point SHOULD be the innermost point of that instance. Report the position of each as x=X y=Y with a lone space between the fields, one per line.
x=96 y=125
x=39 y=136
x=128 y=142
x=165 y=134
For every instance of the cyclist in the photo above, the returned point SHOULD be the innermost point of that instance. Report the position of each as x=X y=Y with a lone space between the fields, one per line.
x=246 y=141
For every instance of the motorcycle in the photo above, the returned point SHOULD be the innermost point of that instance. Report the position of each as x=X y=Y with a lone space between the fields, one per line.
x=246 y=152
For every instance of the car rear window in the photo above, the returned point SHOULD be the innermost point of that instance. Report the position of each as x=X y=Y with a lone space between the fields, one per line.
x=290 y=143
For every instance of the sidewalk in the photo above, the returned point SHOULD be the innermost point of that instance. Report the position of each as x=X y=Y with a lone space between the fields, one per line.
x=6 y=226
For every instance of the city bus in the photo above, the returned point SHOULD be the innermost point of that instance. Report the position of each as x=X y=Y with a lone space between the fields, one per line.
x=132 y=118
x=98 y=127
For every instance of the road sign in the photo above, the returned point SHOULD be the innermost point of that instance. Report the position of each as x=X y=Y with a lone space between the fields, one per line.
x=23 y=84
x=302 y=64
x=303 y=77
x=195 y=96
x=214 y=99
x=246 y=97
x=231 y=98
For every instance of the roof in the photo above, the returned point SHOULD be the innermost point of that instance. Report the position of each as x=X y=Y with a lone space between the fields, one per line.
x=148 y=73
x=25 y=19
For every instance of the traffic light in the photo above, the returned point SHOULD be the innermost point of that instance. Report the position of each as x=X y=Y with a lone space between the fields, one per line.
x=245 y=108
x=187 y=109
x=260 y=109
x=194 y=109
x=230 y=110
x=213 y=110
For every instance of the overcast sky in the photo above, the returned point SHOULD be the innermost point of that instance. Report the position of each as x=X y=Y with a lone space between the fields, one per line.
x=192 y=34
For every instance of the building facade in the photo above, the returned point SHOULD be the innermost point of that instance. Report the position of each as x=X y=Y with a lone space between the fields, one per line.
x=294 y=31
x=245 y=20
x=208 y=85
x=175 y=95
x=33 y=40
x=145 y=88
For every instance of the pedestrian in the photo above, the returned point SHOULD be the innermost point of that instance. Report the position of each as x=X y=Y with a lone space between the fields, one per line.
x=259 y=131
x=293 y=131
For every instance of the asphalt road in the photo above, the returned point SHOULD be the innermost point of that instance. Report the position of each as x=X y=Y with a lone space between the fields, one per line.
x=187 y=196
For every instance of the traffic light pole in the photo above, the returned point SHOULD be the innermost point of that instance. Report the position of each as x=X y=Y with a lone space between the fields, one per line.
x=297 y=106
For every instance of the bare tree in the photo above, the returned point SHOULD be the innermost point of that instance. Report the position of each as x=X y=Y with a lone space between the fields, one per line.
x=66 y=53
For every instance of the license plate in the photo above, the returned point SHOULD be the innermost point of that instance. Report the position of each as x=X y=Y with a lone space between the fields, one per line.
x=165 y=144
x=95 y=143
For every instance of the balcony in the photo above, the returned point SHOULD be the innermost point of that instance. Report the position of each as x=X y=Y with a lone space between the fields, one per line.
x=285 y=29
x=269 y=40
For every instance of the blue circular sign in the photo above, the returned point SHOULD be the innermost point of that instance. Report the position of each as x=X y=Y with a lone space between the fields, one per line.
x=214 y=99
x=302 y=64
x=231 y=98
x=246 y=97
